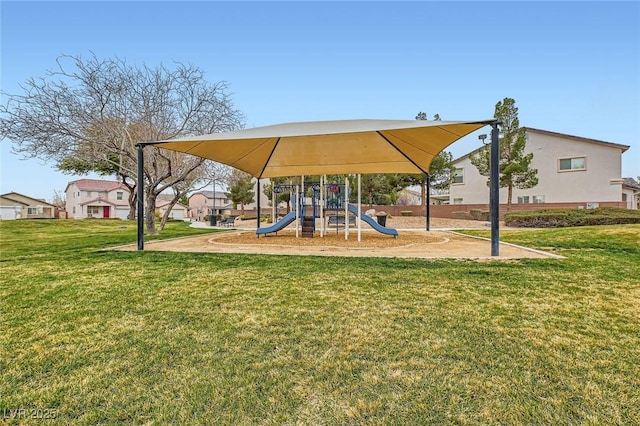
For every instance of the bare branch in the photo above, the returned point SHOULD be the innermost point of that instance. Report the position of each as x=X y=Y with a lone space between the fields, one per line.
x=88 y=114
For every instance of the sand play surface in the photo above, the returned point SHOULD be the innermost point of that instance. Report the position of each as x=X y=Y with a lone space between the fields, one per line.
x=416 y=244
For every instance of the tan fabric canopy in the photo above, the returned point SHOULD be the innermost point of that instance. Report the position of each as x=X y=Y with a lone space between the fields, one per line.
x=329 y=147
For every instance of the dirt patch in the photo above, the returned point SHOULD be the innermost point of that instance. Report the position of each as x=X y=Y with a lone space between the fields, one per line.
x=333 y=239
x=409 y=244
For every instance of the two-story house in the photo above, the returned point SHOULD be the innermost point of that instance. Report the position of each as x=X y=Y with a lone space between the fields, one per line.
x=573 y=171
x=94 y=198
x=203 y=203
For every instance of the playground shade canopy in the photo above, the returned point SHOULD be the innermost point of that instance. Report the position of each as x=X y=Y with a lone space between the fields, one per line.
x=328 y=147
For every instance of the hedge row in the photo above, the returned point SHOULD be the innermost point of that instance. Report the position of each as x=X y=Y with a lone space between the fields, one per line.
x=571 y=217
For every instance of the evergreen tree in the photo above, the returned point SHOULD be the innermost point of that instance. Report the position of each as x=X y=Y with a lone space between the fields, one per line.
x=240 y=189
x=515 y=165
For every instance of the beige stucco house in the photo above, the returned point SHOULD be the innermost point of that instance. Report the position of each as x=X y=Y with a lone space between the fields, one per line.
x=203 y=203
x=631 y=193
x=94 y=198
x=18 y=206
x=571 y=169
x=178 y=212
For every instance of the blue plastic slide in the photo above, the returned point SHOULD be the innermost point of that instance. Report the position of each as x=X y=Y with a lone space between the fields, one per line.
x=278 y=226
x=374 y=224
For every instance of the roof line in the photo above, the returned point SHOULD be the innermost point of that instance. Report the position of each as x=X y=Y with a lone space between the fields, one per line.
x=582 y=138
x=7 y=196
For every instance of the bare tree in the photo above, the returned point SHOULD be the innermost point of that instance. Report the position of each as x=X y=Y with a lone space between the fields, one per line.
x=59 y=199
x=88 y=115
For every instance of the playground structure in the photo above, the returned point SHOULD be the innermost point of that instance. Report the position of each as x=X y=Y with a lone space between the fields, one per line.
x=329 y=202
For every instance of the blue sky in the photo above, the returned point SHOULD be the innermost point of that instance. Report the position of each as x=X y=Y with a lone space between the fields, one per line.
x=572 y=67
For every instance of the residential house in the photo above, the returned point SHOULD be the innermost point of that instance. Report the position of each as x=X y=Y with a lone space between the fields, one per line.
x=94 y=198
x=203 y=203
x=573 y=171
x=178 y=212
x=412 y=196
x=631 y=193
x=18 y=206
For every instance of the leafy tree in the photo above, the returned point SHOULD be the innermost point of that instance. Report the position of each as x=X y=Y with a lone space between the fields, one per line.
x=240 y=189
x=376 y=189
x=88 y=115
x=515 y=166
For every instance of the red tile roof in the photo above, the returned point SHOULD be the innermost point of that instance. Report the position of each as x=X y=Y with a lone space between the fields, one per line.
x=98 y=185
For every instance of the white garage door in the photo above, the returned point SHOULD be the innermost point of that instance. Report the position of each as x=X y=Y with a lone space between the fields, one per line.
x=177 y=214
x=7 y=213
x=122 y=213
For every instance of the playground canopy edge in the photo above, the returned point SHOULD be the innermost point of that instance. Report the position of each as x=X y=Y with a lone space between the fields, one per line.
x=328 y=147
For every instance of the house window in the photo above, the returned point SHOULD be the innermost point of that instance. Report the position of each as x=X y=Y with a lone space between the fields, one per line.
x=93 y=210
x=88 y=193
x=523 y=200
x=74 y=209
x=32 y=210
x=538 y=199
x=458 y=175
x=119 y=195
x=575 y=163
x=457 y=201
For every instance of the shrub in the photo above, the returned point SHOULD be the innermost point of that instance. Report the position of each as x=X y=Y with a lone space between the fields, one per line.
x=406 y=213
x=572 y=217
x=461 y=215
x=478 y=214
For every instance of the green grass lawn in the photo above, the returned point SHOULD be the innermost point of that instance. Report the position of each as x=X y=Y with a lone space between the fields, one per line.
x=108 y=337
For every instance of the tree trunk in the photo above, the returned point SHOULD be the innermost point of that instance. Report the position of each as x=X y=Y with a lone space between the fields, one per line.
x=174 y=201
x=150 y=213
x=509 y=195
x=423 y=195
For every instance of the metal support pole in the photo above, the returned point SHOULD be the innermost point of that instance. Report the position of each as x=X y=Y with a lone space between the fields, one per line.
x=140 y=208
x=258 y=202
x=274 y=201
x=359 y=222
x=346 y=208
x=297 y=200
x=322 y=201
x=427 y=209
x=494 y=192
